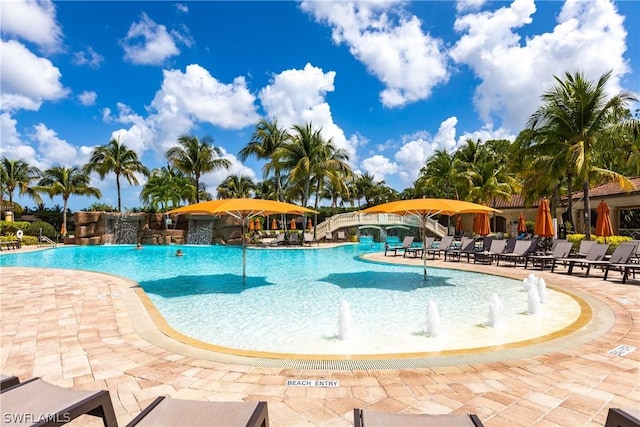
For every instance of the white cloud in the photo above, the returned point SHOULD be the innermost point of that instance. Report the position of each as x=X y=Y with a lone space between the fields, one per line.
x=55 y=150
x=213 y=179
x=88 y=97
x=149 y=43
x=140 y=135
x=88 y=57
x=32 y=21
x=27 y=80
x=297 y=97
x=390 y=43
x=13 y=146
x=487 y=133
x=589 y=37
x=182 y=8
x=379 y=166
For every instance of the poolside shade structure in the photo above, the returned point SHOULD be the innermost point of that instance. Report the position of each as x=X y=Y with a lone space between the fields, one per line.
x=426 y=208
x=603 y=223
x=522 y=224
x=244 y=210
x=482 y=226
x=544 y=224
x=274 y=224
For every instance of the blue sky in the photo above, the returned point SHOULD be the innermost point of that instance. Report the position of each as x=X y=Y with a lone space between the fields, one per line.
x=389 y=81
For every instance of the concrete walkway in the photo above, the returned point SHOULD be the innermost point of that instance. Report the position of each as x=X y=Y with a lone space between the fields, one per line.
x=87 y=331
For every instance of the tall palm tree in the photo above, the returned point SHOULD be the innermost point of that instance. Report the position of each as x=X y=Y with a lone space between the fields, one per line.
x=441 y=167
x=166 y=188
x=195 y=157
x=117 y=158
x=236 y=186
x=365 y=186
x=18 y=175
x=266 y=139
x=66 y=182
x=578 y=112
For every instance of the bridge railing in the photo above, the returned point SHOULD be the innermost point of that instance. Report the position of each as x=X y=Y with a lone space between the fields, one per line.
x=352 y=219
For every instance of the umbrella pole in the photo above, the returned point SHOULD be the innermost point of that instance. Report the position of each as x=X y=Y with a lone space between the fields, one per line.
x=244 y=254
x=424 y=247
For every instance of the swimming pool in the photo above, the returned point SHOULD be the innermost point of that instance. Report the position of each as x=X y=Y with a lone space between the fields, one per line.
x=291 y=301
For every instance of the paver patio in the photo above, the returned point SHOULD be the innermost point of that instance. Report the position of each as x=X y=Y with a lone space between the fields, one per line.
x=87 y=331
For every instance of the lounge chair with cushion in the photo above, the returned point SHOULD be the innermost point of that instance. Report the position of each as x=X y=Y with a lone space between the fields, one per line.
x=439 y=247
x=487 y=256
x=562 y=249
x=617 y=417
x=406 y=243
x=418 y=250
x=467 y=248
x=521 y=251
x=166 y=411
x=621 y=255
x=7 y=381
x=48 y=404
x=365 y=418
x=585 y=247
x=596 y=253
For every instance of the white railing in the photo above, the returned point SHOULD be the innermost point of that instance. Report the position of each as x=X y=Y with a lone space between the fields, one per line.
x=354 y=219
x=45 y=239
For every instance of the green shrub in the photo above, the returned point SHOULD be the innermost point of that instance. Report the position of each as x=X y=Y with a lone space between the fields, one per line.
x=47 y=229
x=26 y=240
x=613 y=241
x=13 y=226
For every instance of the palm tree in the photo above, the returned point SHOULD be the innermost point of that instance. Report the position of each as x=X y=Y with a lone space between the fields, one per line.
x=365 y=186
x=236 y=186
x=18 y=175
x=266 y=139
x=117 y=158
x=195 y=157
x=66 y=182
x=578 y=112
x=166 y=188
x=441 y=167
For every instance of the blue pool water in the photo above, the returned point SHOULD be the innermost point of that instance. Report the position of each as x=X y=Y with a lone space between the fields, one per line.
x=290 y=302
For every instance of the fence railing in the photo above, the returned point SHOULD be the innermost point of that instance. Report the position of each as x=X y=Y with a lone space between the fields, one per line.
x=354 y=219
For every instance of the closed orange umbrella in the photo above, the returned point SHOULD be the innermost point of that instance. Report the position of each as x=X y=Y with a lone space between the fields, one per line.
x=544 y=224
x=522 y=224
x=251 y=225
x=274 y=224
x=459 y=224
x=63 y=230
x=309 y=224
x=603 y=223
x=482 y=226
x=292 y=224
x=258 y=225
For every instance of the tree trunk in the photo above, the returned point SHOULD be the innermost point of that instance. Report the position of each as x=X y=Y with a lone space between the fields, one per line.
x=587 y=208
x=64 y=212
x=570 y=201
x=118 y=188
x=197 y=188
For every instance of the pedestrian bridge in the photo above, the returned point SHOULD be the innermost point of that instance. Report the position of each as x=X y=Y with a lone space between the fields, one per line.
x=380 y=220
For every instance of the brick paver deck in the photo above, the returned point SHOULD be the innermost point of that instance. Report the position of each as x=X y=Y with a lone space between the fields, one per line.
x=87 y=331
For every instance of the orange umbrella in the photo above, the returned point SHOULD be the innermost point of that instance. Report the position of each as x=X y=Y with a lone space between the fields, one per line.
x=522 y=224
x=274 y=224
x=603 y=223
x=251 y=225
x=544 y=224
x=309 y=224
x=459 y=224
x=482 y=226
x=243 y=209
x=63 y=230
x=258 y=225
x=292 y=224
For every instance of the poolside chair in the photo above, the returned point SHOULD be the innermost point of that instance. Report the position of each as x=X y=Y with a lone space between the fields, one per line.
x=620 y=255
x=487 y=256
x=521 y=251
x=596 y=253
x=166 y=411
x=510 y=245
x=585 y=247
x=439 y=247
x=406 y=243
x=7 y=381
x=53 y=405
x=278 y=241
x=562 y=249
x=342 y=237
x=418 y=250
x=467 y=248
x=294 y=239
x=486 y=242
x=366 y=418
x=308 y=239
x=328 y=236
x=617 y=417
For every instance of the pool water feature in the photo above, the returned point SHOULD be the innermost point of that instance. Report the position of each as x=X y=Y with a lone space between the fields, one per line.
x=291 y=301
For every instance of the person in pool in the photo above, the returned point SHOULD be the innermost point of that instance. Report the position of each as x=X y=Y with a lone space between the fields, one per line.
x=179 y=252
x=139 y=246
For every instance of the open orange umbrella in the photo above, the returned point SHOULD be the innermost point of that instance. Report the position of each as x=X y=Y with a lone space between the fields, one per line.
x=522 y=224
x=603 y=223
x=309 y=224
x=274 y=224
x=292 y=224
x=544 y=223
x=244 y=210
x=482 y=226
x=426 y=208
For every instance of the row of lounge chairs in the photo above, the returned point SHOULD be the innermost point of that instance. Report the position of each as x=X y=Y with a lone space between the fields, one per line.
x=13 y=244
x=37 y=402
x=625 y=258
